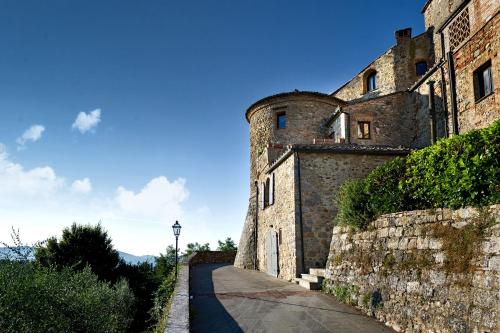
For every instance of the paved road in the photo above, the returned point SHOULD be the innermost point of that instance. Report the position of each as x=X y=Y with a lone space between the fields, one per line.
x=228 y=299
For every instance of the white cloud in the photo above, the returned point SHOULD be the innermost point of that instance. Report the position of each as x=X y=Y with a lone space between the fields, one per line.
x=34 y=133
x=37 y=201
x=159 y=201
x=81 y=186
x=85 y=122
x=16 y=181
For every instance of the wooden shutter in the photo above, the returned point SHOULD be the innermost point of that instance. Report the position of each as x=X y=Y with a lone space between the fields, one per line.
x=262 y=195
x=271 y=190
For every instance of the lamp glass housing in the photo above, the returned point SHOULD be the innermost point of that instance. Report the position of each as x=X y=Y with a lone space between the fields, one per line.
x=177 y=229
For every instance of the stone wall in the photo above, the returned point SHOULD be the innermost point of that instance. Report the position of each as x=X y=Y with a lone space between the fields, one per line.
x=212 y=257
x=280 y=217
x=434 y=270
x=246 y=255
x=392 y=120
x=321 y=176
x=395 y=69
x=306 y=113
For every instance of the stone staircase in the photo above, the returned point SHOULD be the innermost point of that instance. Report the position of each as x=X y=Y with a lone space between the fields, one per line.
x=313 y=280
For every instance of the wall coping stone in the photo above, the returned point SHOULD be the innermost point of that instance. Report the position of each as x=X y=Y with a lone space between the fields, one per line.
x=178 y=316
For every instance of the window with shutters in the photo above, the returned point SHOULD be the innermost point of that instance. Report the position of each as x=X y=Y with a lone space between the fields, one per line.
x=266 y=193
x=483 y=81
x=267 y=196
x=459 y=30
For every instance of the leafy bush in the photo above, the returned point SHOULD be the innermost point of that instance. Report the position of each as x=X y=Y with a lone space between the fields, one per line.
x=383 y=190
x=460 y=171
x=162 y=297
x=352 y=202
x=37 y=299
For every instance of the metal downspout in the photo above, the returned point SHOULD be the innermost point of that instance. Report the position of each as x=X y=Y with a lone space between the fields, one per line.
x=256 y=224
x=432 y=112
x=453 y=93
x=299 y=190
x=444 y=100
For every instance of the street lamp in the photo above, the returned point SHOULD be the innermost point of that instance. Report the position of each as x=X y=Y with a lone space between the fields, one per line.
x=177 y=230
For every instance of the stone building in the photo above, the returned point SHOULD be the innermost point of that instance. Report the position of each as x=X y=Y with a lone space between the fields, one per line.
x=304 y=145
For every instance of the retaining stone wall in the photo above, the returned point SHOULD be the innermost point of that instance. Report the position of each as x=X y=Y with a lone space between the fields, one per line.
x=212 y=257
x=412 y=271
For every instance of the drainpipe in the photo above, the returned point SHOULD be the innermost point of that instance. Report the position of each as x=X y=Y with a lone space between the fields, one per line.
x=453 y=94
x=299 y=189
x=256 y=224
x=432 y=111
x=444 y=100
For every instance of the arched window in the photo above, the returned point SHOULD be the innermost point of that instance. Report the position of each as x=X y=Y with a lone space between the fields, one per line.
x=371 y=81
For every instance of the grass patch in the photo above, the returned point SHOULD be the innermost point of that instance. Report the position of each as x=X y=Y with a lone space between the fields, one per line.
x=462 y=245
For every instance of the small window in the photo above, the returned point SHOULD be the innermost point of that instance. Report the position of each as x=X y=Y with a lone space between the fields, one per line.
x=280 y=237
x=371 y=82
x=281 y=120
x=363 y=130
x=483 y=81
x=421 y=68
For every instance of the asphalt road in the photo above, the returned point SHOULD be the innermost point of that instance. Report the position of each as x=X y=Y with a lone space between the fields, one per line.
x=228 y=299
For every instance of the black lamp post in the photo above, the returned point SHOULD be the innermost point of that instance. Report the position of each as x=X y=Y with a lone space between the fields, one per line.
x=177 y=230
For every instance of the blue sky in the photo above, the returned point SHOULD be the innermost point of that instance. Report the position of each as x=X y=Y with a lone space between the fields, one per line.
x=171 y=81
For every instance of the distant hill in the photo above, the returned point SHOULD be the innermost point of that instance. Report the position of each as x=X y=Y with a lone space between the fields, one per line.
x=132 y=259
x=129 y=258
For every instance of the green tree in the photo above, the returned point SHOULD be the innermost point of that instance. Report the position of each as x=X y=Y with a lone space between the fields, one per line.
x=42 y=299
x=195 y=247
x=165 y=263
x=81 y=246
x=228 y=245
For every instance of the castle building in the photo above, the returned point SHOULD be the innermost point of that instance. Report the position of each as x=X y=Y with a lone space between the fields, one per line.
x=304 y=145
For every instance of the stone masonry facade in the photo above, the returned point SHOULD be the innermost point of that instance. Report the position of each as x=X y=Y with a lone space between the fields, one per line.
x=405 y=271
x=305 y=145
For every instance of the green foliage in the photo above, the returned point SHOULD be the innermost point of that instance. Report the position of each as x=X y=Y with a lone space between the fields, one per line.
x=228 y=245
x=39 y=299
x=382 y=188
x=352 y=202
x=460 y=171
x=457 y=172
x=143 y=283
x=344 y=293
x=79 y=247
x=165 y=263
x=161 y=303
x=195 y=247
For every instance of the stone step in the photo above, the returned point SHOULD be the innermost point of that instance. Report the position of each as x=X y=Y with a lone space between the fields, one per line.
x=309 y=285
x=312 y=278
x=317 y=271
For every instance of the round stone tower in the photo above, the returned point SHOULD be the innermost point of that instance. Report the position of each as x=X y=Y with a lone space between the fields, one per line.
x=275 y=122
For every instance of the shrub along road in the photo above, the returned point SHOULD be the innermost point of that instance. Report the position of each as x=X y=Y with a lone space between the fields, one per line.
x=228 y=299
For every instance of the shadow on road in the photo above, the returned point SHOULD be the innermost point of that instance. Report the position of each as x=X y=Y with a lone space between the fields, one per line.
x=207 y=313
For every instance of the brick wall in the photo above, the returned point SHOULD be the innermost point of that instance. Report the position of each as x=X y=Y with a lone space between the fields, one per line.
x=482 y=47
